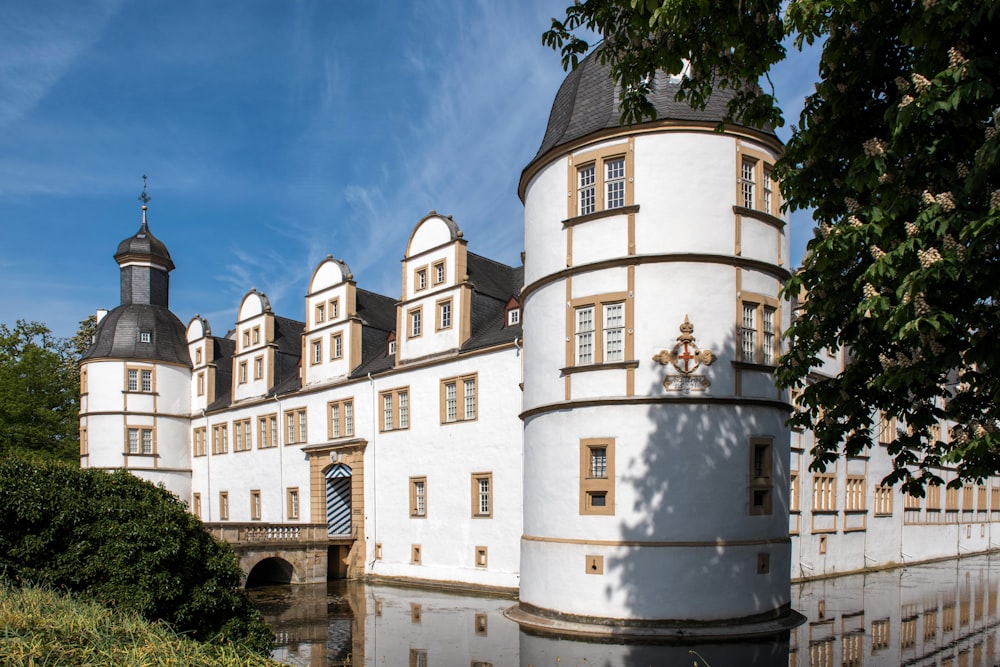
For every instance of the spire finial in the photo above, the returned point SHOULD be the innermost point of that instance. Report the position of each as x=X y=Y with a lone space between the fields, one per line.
x=144 y=198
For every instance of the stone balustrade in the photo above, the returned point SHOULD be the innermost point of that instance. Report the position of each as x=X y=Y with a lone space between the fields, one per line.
x=256 y=533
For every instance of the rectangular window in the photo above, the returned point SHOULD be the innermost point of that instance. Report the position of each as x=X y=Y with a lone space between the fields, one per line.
x=255 y=505
x=416 y=323
x=747 y=185
x=320 y=313
x=598 y=330
x=147 y=380
x=196 y=504
x=482 y=494
x=317 y=352
x=246 y=338
x=854 y=493
x=883 y=501
x=293 y=503
x=793 y=500
x=597 y=476
x=256 y=334
x=334 y=309
x=601 y=180
x=824 y=492
x=513 y=316
x=258 y=368
x=951 y=499
x=133 y=380
x=295 y=423
x=933 y=498
x=267 y=431
x=197 y=357
x=220 y=439
x=341 y=418
x=337 y=346
x=421 y=279
x=198 y=438
x=758 y=330
x=418 y=497
x=145 y=336
x=444 y=314
x=438 y=273
x=133 y=441
x=147 y=441
x=458 y=399
x=761 y=467
x=586 y=187
x=242 y=440
x=243 y=372
x=395 y=409
x=585 y=336
x=614 y=183
x=614 y=332
x=967 y=497
x=223 y=505
x=201 y=383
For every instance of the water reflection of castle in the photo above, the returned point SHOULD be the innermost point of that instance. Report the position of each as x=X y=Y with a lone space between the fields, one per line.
x=942 y=614
x=598 y=429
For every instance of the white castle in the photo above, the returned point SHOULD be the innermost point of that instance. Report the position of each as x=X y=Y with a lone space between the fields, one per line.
x=599 y=429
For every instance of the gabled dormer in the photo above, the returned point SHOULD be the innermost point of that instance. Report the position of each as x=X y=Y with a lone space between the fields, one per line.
x=332 y=338
x=434 y=314
x=254 y=359
x=201 y=348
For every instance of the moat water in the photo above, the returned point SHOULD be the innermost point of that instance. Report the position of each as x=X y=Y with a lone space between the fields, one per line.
x=943 y=614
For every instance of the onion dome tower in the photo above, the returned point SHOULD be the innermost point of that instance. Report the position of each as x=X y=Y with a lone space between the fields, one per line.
x=137 y=416
x=655 y=445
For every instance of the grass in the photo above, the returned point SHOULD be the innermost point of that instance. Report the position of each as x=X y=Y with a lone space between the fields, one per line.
x=43 y=628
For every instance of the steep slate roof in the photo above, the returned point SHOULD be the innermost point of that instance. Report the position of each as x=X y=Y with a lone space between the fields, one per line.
x=587 y=102
x=493 y=285
x=117 y=335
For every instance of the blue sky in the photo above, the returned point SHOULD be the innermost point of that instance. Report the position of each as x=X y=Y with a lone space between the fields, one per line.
x=273 y=133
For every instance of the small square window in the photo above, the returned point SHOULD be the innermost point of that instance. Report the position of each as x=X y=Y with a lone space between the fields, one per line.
x=145 y=336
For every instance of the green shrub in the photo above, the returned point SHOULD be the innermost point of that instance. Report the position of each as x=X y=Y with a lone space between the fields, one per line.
x=126 y=544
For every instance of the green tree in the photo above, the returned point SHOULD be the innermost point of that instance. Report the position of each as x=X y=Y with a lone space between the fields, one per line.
x=125 y=543
x=39 y=393
x=897 y=154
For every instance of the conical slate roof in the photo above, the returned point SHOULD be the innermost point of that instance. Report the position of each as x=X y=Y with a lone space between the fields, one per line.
x=120 y=335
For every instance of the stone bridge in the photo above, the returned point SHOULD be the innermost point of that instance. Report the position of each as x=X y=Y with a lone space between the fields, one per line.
x=278 y=553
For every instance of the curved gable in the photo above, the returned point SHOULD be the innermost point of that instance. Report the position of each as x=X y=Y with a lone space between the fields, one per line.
x=330 y=272
x=198 y=328
x=254 y=303
x=433 y=231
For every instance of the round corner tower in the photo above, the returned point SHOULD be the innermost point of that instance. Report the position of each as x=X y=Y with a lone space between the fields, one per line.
x=655 y=445
x=137 y=415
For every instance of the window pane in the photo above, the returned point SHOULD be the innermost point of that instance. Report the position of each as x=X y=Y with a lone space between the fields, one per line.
x=585 y=335
x=404 y=410
x=147 y=380
x=614 y=182
x=746 y=183
x=484 y=495
x=335 y=420
x=614 y=322
x=450 y=402
x=748 y=327
x=387 y=412
x=598 y=462
x=133 y=380
x=587 y=184
x=768 y=338
x=348 y=418
x=133 y=441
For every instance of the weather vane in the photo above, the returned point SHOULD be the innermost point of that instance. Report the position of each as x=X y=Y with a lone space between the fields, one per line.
x=144 y=198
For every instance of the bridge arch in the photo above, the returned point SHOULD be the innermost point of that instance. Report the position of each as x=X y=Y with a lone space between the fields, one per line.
x=265 y=570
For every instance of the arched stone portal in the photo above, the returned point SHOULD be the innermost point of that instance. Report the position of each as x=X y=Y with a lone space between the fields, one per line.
x=273 y=570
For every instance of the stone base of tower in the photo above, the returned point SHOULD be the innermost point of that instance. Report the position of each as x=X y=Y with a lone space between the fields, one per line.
x=548 y=622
